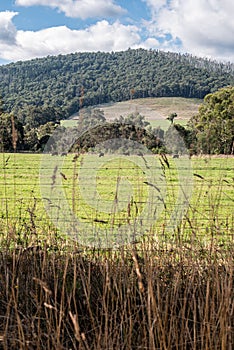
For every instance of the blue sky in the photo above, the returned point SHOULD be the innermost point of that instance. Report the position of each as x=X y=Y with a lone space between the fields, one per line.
x=37 y=28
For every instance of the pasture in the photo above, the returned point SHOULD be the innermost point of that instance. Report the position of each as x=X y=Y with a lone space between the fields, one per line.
x=115 y=191
x=169 y=287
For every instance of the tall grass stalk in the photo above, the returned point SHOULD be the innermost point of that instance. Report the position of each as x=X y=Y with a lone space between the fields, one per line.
x=156 y=293
x=141 y=298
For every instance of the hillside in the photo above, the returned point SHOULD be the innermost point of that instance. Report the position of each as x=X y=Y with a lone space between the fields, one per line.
x=66 y=82
x=153 y=108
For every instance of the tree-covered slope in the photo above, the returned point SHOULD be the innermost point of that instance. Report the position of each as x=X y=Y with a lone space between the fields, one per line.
x=68 y=81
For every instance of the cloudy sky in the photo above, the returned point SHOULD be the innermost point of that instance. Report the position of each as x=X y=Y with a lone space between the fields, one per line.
x=37 y=28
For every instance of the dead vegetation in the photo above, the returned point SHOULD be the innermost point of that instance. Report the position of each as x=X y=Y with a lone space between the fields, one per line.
x=144 y=297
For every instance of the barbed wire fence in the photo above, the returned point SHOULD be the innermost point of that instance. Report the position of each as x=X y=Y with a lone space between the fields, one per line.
x=115 y=194
x=106 y=201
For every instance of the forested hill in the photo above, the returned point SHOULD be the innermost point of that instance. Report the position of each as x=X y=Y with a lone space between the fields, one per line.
x=69 y=81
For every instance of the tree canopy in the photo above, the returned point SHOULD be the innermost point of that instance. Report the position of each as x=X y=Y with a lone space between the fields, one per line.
x=69 y=82
x=39 y=93
x=214 y=124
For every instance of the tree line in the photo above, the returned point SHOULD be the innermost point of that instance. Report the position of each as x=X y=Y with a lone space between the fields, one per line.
x=210 y=131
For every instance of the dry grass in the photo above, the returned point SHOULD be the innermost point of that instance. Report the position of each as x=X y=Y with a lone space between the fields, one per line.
x=150 y=295
x=144 y=297
x=152 y=108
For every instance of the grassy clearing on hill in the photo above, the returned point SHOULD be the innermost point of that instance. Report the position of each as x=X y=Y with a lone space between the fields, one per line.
x=155 y=110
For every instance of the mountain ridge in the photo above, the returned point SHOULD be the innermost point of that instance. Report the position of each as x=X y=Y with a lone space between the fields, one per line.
x=70 y=82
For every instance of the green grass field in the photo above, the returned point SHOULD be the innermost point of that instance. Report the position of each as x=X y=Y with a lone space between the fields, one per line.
x=110 y=193
x=169 y=289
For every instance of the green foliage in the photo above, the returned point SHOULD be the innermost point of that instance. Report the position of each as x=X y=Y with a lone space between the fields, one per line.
x=35 y=116
x=35 y=139
x=181 y=138
x=171 y=117
x=94 y=132
x=11 y=133
x=89 y=118
x=174 y=142
x=214 y=124
x=67 y=82
x=31 y=140
x=134 y=118
x=50 y=89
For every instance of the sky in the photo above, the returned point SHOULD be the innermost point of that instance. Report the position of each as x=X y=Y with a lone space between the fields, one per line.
x=38 y=28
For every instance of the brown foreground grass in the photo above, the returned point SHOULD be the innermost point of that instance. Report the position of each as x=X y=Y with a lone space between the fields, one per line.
x=144 y=297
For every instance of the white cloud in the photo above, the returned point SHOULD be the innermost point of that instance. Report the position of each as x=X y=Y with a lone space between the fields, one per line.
x=204 y=27
x=155 y=5
x=201 y=27
x=7 y=28
x=101 y=36
x=149 y=43
x=79 y=8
